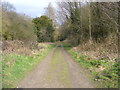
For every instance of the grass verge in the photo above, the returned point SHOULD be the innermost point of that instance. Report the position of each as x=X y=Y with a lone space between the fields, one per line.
x=103 y=72
x=15 y=67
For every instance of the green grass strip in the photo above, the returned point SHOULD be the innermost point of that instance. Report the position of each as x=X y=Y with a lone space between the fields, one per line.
x=15 y=67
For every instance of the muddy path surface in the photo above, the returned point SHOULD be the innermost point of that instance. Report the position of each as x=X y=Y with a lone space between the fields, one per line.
x=57 y=70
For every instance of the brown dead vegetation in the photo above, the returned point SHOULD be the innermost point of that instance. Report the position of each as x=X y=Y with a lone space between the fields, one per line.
x=15 y=46
x=107 y=50
x=22 y=48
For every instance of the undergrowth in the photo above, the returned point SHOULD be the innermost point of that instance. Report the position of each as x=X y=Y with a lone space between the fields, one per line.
x=15 y=67
x=104 y=72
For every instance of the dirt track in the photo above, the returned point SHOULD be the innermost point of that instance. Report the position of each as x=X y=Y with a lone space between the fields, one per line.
x=57 y=70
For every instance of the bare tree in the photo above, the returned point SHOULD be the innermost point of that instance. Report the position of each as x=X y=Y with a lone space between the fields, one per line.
x=6 y=6
x=50 y=12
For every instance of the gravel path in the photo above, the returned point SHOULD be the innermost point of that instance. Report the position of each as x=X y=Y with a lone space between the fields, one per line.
x=57 y=70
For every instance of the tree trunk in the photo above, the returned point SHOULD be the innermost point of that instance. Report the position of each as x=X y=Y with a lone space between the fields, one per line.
x=118 y=36
x=118 y=31
x=90 y=32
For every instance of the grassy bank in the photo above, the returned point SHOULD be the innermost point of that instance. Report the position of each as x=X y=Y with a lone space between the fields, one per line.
x=15 y=67
x=103 y=72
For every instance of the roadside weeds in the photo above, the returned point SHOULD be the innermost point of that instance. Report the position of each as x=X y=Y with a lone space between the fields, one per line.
x=103 y=72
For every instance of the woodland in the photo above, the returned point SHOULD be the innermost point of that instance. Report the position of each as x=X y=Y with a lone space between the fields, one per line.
x=91 y=29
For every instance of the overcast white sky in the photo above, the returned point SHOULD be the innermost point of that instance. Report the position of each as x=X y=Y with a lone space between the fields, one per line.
x=31 y=8
x=35 y=8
